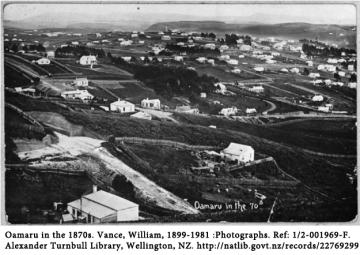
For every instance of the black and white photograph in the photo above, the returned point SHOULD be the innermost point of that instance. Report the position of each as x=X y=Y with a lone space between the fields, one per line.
x=179 y=112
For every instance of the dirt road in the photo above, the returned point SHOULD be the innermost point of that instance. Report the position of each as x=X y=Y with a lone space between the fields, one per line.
x=78 y=145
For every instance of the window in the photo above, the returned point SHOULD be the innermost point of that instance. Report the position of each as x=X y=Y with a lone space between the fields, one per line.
x=89 y=218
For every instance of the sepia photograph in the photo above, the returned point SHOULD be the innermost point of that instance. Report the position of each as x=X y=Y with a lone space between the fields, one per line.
x=179 y=112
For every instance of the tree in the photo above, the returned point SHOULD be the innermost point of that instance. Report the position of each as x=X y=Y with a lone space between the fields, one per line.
x=353 y=77
x=306 y=71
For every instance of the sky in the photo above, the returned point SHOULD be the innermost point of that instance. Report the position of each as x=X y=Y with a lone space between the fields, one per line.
x=276 y=13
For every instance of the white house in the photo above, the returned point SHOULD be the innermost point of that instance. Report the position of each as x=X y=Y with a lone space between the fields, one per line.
x=352 y=85
x=309 y=63
x=141 y=115
x=241 y=56
x=232 y=62
x=332 y=61
x=201 y=60
x=317 y=81
x=341 y=73
x=211 y=46
x=323 y=109
x=350 y=67
x=103 y=207
x=294 y=70
x=259 y=69
x=238 y=152
x=275 y=54
x=314 y=75
x=83 y=95
x=257 y=89
x=224 y=57
x=223 y=47
x=250 y=110
x=317 y=98
x=127 y=59
x=122 y=106
x=245 y=47
x=88 y=60
x=43 y=61
x=236 y=70
x=284 y=70
x=83 y=82
x=126 y=43
x=211 y=61
x=151 y=103
x=203 y=95
x=165 y=38
x=228 y=111
x=327 y=82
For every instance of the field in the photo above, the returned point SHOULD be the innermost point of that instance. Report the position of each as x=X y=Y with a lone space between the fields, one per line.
x=330 y=143
x=324 y=174
x=242 y=102
x=14 y=78
x=220 y=73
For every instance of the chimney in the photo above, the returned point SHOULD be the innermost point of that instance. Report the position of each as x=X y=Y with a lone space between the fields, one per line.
x=94 y=188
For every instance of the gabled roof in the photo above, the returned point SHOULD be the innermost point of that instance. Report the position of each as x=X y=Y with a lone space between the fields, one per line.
x=236 y=148
x=101 y=204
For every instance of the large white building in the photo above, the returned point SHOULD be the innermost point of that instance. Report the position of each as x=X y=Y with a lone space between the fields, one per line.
x=103 y=207
x=317 y=98
x=151 y=103
x=88 y=60
x=257 y=89
x=122 y=106
x=81 y=82
x=228 y=111
x=238 y=152
x=82 y=94
x=43 y=61
x=245 y=47
x=232 y=62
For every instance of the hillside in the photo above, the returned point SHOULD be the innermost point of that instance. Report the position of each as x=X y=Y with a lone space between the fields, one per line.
x=329 y=33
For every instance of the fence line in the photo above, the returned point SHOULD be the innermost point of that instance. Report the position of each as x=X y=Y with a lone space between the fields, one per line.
x=161 y=142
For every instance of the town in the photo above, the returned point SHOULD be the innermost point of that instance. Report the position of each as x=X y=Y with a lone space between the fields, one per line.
x=121 y=126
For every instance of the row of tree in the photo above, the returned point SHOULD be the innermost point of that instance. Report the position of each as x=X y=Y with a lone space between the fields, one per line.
x=232 y=39
x=15 y=47
x=78 y=51
x=168 y=81
x=325 y=51
x=191 y=50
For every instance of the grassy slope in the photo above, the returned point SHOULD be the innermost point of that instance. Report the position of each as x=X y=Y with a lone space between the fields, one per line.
x=313 y=170
x=312 y=135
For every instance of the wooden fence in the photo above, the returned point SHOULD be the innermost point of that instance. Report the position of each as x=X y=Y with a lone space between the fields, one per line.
x=160 y=142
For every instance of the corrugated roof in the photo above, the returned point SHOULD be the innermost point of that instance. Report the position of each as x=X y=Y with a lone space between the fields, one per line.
x=101 y=204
